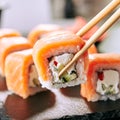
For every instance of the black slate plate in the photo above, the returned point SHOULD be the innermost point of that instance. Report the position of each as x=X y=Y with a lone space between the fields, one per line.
x=65 y=103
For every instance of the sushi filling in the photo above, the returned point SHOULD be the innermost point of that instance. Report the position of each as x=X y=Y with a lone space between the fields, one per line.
x=108 y=83
x=33 y=77
x=56 y=65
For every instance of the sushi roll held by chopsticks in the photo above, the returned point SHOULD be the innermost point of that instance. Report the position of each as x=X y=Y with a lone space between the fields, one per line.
x=52 y=53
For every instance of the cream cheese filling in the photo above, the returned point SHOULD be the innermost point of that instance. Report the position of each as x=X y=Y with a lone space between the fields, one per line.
x=108 y=84
x=57 y=63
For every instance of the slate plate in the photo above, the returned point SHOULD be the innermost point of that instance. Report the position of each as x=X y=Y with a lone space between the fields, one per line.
x=65 y=103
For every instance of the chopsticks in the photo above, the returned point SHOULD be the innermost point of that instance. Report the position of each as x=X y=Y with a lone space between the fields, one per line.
x=110 y=7
x=94 y=37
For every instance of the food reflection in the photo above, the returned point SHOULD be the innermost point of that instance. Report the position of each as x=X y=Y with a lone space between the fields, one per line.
x=71 y=91
x=103 y=106
x=19 y=108
x=3 y=86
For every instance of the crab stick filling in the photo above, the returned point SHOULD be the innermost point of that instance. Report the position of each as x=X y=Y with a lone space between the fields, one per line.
x=33 y=77
x=108 y=82
x=57 y=63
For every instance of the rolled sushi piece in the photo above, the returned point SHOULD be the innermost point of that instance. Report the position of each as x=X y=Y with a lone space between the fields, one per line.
x=41 y=30
x=52 y=53
x=9 y=45
x=21 y=74
x=7 y=32
x=103 y=77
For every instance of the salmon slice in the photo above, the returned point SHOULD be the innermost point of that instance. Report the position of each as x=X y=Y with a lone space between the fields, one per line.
x=7 y=32
x=97 y=77
x=9 y=45
x=41 y=30
x=79 y=23
x=60 y=45
x=18 y=67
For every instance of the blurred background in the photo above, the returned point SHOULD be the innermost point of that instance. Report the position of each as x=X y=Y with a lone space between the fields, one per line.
x=24 y=15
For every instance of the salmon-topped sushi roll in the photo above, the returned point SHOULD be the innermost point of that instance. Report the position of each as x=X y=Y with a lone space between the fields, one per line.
x=103 y=77
x=8 y=45
x=52 y=53
x=41 y=30
x=21 y=74
x=7 y=32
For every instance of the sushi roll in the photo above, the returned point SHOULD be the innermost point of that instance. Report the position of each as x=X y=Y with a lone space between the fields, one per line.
x=52 y=53
x=9 y=45
x=41 y=30
x=7 y=32
x=103 y=77
x=21 y=74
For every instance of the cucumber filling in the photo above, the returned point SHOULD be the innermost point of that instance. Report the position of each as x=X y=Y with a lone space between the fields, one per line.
x=108 y=82
x=56 y=65
x=33 y=77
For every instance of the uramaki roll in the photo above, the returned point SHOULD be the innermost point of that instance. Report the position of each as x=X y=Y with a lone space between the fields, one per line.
x=7 y=32
x=9 y=45
x=21 y=74
x=103 y=77
x=52 y=53
x=41 y=30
